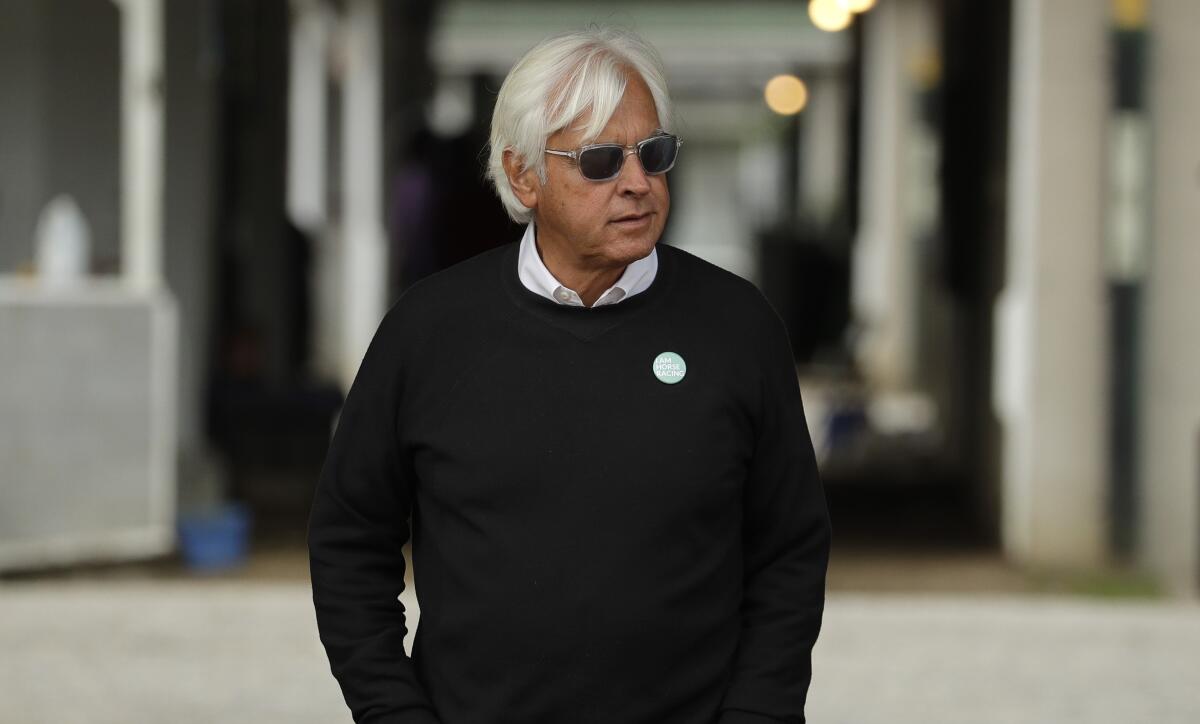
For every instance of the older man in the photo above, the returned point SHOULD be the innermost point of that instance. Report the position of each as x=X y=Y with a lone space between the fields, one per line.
x=616 y=514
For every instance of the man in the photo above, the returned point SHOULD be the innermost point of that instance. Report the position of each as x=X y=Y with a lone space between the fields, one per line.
x=616 y=514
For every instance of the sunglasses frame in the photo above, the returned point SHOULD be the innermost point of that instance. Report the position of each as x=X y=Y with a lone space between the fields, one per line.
x=636 y=149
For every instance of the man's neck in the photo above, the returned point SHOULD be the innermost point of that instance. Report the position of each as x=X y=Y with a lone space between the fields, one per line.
x=588 y=283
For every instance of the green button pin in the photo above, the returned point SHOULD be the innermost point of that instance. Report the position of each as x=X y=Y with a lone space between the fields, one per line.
x=669 y=367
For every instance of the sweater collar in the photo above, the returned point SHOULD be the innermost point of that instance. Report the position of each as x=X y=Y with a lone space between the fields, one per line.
x=585 y=323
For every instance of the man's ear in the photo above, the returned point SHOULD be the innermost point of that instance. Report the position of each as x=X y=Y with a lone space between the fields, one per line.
x=524 y=181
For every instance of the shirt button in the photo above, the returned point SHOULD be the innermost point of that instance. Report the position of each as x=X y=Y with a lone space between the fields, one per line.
x=563 y=294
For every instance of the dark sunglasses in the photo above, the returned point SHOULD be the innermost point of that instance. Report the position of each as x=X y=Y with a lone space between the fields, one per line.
x=603 y=161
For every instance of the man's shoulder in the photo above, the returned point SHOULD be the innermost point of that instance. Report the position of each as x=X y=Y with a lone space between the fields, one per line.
x=713 y=287
x=465 y=284
x=444 y=297
x=478 y=270
x=735 y=312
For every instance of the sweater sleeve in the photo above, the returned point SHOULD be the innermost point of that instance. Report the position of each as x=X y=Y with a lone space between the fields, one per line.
x=786 y=538
x=357 y=527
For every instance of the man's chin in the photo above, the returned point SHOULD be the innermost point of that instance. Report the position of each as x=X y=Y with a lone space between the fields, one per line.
x=633 y=250
x=637 y=245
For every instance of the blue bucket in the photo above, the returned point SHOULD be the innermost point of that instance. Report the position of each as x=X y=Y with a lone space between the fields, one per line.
x=215 y=539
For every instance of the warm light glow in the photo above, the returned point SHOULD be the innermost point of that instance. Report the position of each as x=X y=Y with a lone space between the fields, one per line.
x=926 y=68
x=1129 y=14
x=856 y=6
x=828 y=15
x=786 y=94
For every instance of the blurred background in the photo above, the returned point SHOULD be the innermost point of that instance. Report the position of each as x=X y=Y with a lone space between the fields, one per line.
x=979 y=219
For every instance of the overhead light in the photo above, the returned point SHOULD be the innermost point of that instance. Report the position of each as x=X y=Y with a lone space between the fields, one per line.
x=856 y=6
x=786 y=94
x=829 y=15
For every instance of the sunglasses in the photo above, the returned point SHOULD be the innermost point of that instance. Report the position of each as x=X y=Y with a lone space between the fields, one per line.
x=603 y=161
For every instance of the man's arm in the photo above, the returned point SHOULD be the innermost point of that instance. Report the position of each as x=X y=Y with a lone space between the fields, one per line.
x=356 y=529
x=786 y=539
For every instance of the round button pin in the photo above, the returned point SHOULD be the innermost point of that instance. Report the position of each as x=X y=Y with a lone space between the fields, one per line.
x=669 y=367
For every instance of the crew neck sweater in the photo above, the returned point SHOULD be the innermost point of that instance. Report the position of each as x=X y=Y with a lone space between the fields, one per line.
x=592 y=542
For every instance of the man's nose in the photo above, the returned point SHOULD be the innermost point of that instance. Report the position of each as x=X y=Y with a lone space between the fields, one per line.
x=632 y=178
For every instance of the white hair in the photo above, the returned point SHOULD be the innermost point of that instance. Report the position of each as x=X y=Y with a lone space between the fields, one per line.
x=555 y=83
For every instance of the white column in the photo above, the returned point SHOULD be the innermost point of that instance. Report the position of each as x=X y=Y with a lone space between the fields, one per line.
x=312 y=25
x=822 y=155
x=364 y=245
x=884 y=275
x=712 y=229
x=1170 y=364
x=314 y=28
x=1051 y=371
x=142 y=156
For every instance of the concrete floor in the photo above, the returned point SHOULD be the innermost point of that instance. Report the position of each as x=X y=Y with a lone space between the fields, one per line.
x=154 y=643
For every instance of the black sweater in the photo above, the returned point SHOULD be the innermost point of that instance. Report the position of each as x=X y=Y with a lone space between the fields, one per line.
x=590 y=543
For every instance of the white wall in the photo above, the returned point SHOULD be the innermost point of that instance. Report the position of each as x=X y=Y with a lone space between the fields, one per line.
x=59 y=81
x=1170 y=364
x=1051 y=371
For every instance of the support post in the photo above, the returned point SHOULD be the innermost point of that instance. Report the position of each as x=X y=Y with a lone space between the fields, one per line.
x=1050 y=391
x=142 y=154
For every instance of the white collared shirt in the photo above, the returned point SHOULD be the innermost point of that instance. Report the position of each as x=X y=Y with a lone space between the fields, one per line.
x=537 y=278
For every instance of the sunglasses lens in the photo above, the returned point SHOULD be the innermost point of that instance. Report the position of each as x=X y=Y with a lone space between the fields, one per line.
x=600 y=163
x=658 y=155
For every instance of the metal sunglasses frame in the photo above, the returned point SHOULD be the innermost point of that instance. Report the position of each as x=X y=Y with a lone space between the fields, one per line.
x=636 y=149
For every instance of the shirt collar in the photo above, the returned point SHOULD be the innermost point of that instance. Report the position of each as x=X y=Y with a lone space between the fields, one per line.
x=535 y=276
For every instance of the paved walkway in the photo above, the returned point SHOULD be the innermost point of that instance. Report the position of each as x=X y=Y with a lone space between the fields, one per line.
x=232 y=651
